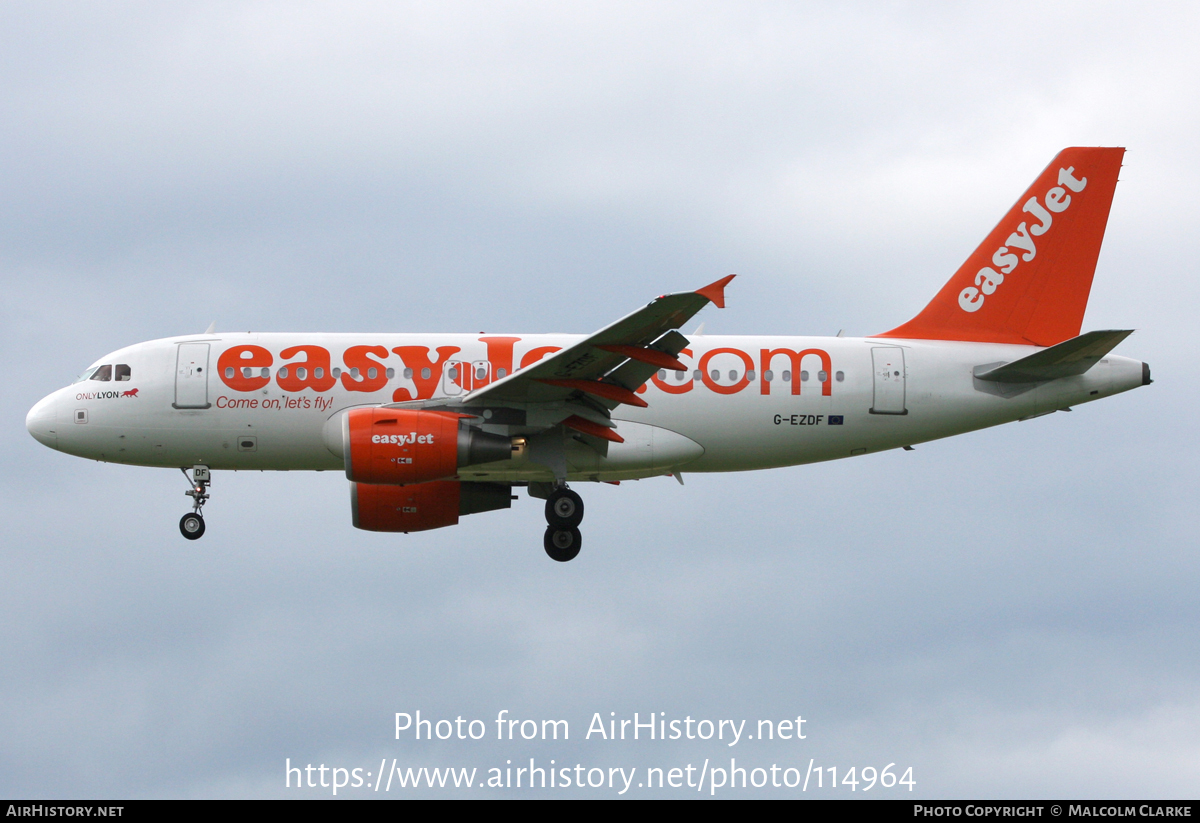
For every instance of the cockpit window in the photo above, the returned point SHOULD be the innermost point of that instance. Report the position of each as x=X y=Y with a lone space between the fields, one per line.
x=122 y=372
x=87 y=374
x=104 y=374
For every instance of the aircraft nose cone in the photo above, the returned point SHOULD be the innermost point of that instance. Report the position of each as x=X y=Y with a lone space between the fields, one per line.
x=42 y=422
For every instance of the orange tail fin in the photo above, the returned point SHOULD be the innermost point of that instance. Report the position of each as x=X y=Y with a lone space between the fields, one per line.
x=1029 y=281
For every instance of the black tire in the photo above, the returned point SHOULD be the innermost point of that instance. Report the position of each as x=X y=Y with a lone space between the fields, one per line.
x=564 y=509
x=562 y=544
x=191 y=526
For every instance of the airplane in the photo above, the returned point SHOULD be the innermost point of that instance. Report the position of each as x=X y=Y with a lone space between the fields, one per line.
x=430 y=428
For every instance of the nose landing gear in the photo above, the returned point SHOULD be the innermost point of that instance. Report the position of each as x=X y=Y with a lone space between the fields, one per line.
x=191 y=525
x=564 y=513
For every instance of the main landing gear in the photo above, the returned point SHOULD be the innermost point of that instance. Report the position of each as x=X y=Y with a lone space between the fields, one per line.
x=564 y=513
x=191 y=525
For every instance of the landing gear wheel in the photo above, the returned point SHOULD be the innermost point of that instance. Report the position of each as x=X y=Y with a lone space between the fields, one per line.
x=562 y=544
x=191 y=525
x=564 y=509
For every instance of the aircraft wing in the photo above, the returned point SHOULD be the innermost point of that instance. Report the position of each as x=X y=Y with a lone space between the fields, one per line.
x=606 y=368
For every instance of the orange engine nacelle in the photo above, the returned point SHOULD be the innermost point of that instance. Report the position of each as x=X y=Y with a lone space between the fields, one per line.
x=422 y=506
x=401 y=446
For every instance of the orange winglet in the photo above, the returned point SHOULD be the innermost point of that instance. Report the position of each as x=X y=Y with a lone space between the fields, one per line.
x=594 y=429
x=716 y=291
x=605 y=390
x=652 y=356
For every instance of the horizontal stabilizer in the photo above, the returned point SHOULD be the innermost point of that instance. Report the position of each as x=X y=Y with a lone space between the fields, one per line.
x=1071 y=357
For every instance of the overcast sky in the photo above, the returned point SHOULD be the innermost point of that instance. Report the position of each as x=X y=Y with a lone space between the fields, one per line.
x=1012 y=612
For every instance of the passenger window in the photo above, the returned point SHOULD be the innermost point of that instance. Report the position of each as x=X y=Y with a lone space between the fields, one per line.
x=104 y=374
x=787 y=377
x=391 y=373
x=679 y=375
x=822 y=376
x=768 y=375
x=750 y=374
x=372 y=373
x=733 y=376
x=123 y=372
x=424 y=374
x=840 y=376
x=804 y=376
x=408 y=373
x=500 y=374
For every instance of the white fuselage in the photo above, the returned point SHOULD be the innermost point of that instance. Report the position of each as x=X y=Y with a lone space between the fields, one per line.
x=826 y=398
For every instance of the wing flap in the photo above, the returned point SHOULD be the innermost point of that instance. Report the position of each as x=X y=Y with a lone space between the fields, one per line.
x=609 y=391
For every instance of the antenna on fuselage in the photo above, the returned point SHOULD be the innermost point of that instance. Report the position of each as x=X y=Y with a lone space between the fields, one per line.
x=212 y=327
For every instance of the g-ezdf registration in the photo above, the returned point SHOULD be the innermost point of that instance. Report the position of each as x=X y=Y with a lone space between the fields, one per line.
x=707 y=775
